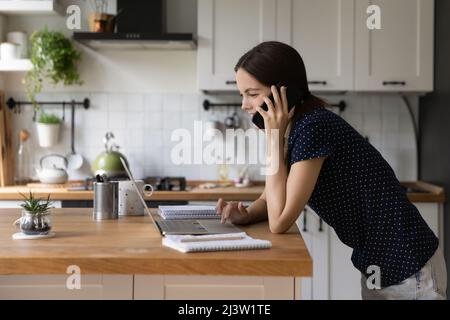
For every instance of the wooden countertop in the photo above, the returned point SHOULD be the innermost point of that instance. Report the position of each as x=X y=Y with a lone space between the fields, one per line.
x=131 y=245
x=195 y=194
x=422 y=192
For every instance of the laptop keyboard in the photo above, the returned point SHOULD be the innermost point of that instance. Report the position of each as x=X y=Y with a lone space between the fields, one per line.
x=177 y=225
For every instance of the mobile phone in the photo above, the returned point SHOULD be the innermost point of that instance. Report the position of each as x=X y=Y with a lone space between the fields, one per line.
x=293 y=95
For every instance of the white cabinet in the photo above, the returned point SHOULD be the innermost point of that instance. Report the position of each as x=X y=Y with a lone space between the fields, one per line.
x=226 y=30
x=316 y=236
x=326 y=47
x=212 y=287
x=139 y=287
x=339 y=50
x=322 y=32
x=53 y=287
x=399 y=56
x=334 y=276
x=344 y=277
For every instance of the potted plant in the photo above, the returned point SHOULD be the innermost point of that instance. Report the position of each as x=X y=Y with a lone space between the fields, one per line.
x=35 y=215
x=48 y=129
x=53 y=57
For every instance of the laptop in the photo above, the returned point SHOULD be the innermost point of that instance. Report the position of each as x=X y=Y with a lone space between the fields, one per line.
x=183 y=226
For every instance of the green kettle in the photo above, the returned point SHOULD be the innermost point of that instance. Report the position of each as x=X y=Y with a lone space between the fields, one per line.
x=108 y=162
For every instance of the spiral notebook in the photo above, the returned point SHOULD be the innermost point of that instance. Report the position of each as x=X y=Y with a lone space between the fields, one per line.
x=188 y=212
x=215 y=242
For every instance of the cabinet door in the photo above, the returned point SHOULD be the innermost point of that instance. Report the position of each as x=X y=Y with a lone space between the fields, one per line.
x=345 y=279
x=316 y=236
x=35 y=287
x=226 y=30
x=322 y=32
x=173 y=287
x=399 y=56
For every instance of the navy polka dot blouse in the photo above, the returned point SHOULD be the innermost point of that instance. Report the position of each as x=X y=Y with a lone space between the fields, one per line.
x=359 y=196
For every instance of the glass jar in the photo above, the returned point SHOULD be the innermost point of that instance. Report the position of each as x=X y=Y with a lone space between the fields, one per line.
x=23 y=161
x=223 y=172
x=35 y=223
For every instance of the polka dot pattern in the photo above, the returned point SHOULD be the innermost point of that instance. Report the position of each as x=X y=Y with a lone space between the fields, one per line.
x=359 y=196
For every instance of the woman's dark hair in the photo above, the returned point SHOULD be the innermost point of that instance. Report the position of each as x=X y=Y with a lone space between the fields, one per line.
x=276 y=63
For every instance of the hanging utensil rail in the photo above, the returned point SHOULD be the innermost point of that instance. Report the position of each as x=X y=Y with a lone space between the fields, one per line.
x=341 y=105
x=12 y=104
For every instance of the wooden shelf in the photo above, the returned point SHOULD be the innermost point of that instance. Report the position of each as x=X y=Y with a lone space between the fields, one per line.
x=17 y=7
x=15 y=65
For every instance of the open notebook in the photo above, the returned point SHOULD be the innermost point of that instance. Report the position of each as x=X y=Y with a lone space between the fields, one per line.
x=214 y=242
x=188 y=212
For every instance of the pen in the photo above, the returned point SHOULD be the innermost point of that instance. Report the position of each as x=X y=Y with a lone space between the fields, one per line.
x=211 y=239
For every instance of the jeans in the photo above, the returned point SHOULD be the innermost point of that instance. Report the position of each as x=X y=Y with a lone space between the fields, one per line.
x=429 y=283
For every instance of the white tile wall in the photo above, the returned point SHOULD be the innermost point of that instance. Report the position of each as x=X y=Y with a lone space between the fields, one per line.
x=143 y=123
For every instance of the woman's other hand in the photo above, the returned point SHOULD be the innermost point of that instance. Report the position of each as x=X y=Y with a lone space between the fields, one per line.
x=234 y=212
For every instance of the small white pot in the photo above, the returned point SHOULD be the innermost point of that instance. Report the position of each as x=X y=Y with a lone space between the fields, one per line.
x=48 y=134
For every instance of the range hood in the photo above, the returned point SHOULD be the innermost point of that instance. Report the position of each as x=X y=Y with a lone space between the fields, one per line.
x=139 y=25
x=126 y=41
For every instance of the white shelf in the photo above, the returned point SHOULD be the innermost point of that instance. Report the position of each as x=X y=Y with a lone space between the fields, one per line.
x=28 y=7
x=15 y=65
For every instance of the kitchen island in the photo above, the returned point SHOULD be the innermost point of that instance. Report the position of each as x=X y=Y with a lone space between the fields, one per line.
x=124 y=259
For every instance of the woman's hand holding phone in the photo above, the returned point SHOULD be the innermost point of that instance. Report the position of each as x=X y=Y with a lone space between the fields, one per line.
x=234 y=212
x=277 y=114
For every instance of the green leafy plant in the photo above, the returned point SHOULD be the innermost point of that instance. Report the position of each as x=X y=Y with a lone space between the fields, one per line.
x=53 y=57
x=48 y=118
x=35 y=205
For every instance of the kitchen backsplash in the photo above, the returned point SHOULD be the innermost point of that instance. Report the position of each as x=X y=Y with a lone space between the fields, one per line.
x=143 y=124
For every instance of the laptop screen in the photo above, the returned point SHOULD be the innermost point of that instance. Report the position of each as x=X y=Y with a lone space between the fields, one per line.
x=139 y=193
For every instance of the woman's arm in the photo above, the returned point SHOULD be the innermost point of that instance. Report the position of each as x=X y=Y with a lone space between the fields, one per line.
x=288 y=195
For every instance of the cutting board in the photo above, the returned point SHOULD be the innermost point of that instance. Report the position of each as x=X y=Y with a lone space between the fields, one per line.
x=77 y=183
x=6 y=145
x=2 y=147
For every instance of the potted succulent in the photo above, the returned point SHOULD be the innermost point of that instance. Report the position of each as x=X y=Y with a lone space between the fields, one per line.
x=35 y=215
x=48 y=129
x=53 y=57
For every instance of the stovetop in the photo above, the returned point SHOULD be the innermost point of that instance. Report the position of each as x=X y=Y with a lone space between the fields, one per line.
x=167 y=183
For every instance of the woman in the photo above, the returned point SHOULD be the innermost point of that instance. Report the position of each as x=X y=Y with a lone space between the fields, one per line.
x=325 y=163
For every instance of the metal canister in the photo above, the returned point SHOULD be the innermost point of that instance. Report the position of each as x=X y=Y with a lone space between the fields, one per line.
x=106 y=200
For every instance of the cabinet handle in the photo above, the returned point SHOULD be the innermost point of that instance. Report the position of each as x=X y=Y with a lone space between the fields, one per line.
x=320 y=225
x=394 y=83
x=230 y=82
x=324 y=83
x=305 y=229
